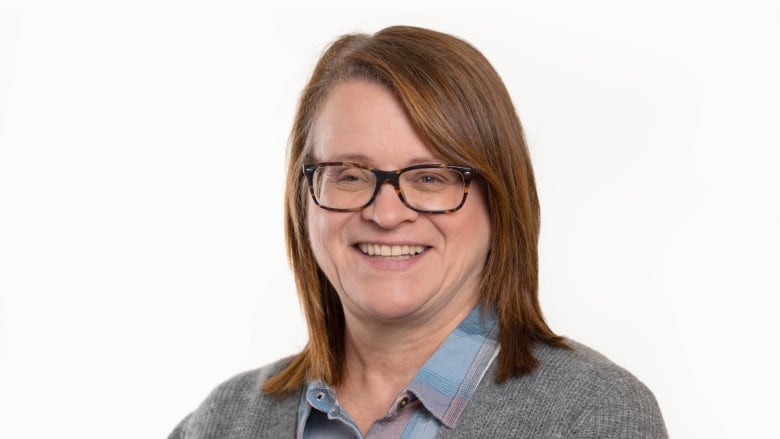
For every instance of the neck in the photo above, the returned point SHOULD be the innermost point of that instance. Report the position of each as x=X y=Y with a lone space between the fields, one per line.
x=382 y=358
x=389 y=354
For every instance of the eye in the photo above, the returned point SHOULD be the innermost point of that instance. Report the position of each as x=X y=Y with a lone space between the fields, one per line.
x=346 y=178
x=350 y=177
x=431 y=178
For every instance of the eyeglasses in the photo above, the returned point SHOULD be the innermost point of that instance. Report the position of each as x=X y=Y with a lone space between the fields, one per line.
x=350 y=187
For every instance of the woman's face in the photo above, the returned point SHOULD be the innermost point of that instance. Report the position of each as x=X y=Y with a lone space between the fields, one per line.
x=363 y=122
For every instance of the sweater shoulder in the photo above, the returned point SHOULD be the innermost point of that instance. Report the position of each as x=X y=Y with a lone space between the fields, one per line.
x=238 y=406
x=248 y=382
x=575 y=392
x=587 y=374
x=581 y=363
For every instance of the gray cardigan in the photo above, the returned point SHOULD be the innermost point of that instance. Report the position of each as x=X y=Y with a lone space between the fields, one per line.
x=572 y=394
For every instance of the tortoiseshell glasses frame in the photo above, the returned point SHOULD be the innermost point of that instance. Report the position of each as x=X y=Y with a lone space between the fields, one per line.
x=442 y=189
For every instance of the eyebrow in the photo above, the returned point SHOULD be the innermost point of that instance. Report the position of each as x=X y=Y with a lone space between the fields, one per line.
x=365 y=160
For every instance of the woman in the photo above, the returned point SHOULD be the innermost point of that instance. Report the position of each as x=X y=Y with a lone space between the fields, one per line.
x=412 y=225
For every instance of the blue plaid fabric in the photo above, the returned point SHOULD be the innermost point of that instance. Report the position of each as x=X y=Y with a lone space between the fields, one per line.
x=437 y=396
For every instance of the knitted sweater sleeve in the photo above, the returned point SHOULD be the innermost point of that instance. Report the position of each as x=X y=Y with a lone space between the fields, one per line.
x=624 y=408
x=239 y=409
x=575 y=393
x=178 y=432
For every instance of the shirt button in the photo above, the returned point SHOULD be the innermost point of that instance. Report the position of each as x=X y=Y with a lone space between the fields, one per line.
x=402 y=403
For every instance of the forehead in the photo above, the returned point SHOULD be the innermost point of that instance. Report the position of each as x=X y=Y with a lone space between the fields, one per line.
x=364 y=121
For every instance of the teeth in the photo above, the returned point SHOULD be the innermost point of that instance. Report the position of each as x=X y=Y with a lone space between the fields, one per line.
x=390 y=250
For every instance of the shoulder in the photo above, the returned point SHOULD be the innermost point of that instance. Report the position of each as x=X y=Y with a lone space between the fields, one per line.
x=572 y=393
x=247 y=384
x=584 y=369
x=605 y=399
x=239 y=408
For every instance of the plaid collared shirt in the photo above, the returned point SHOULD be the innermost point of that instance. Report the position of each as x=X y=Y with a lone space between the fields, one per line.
x=437 y=396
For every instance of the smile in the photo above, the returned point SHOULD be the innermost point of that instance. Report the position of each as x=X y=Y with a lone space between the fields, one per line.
x=390 y=250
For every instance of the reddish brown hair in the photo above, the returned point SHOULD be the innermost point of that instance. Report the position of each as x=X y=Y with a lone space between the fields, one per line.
x=461 y=108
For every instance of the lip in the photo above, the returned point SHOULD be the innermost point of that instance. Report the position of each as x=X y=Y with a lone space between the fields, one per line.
x=391 y=249
x=392 y=262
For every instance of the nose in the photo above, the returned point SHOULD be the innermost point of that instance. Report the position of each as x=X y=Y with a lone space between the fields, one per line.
x=387 y=210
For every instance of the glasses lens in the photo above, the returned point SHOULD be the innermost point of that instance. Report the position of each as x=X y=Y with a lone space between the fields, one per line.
x=343 y=187
x=433 y=189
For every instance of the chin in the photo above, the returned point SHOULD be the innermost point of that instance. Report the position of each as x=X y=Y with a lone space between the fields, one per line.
x=388 y=306
x=393 y=315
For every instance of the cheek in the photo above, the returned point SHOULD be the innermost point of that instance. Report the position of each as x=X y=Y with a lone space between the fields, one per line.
x=316 y=228
x=324 y=232
x=478 y=220
x=477 y=239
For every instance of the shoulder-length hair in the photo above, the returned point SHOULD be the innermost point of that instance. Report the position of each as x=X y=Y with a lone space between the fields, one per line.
x=460 y=107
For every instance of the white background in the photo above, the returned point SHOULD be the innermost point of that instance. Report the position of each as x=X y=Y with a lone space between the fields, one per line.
x=142 y=150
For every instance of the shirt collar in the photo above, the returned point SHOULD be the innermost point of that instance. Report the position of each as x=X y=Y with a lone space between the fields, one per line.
x=449 y=378
x=445 y=383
